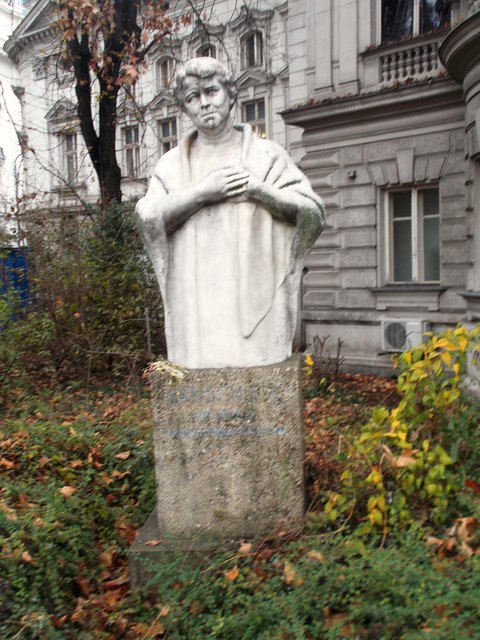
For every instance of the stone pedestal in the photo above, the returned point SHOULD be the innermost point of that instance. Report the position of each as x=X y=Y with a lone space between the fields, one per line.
x=229 y=449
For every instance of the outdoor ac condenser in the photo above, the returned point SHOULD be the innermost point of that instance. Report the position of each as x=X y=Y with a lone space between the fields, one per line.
x=401 y=335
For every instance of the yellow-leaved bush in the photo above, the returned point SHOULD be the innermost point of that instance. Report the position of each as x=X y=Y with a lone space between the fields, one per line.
x=396 y=470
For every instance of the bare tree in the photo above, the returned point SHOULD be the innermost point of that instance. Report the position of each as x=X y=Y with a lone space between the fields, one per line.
x=107 y=42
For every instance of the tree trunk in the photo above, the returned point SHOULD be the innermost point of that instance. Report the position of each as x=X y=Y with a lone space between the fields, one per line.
x=109 y=172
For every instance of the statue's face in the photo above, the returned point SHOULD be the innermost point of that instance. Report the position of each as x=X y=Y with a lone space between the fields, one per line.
x=206 y=102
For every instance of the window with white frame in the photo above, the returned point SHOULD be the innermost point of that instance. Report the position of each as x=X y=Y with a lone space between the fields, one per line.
x=167 y=134
x=131 y=150
x=253 y=112
x=69 y=156
x=413 y=235
x=164 y=72
x=207 y=51
x=252 y=50
x=405 y=18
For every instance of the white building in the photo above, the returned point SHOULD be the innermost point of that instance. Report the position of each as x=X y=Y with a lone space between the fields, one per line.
x=389 y=142
x=252 y=41
x=11 y=13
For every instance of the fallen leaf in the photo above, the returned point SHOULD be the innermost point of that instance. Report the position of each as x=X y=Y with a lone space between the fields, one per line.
x=8 y=511
x=164 y=611
x=8 y=464
x=119 y=474
x=153 y=543
x=333 y=619
x=67 y=491
x=245 y=548
x=316 y=555
x=117 y=582
x=127 y=531
x=404 y=461
x=113 y=596
x=80 y=614
x=474 y=486
x=123 y=456
x=76 y=463
x=466 y=550
x=106 y=557
x=290 y=576
x=149 y=631
x=432 y=541
x=232 y=574
x=57 y=622
x=196 y=607
x=465 y=529
x=26 y=557
x=84 y=585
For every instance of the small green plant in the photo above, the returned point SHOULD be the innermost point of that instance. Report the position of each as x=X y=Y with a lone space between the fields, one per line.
x=322 y=368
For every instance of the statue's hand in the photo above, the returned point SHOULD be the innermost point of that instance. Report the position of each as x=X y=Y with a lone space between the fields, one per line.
x=224 y=183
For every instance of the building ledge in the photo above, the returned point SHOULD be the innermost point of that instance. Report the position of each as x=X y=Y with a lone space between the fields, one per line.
x=406 y=297
x=472 y=298
x=423 y=95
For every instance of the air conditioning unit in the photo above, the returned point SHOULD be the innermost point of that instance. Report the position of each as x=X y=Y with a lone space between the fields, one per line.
x=402 y=335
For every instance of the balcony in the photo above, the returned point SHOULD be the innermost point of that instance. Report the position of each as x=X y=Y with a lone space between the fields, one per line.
x=407 y=61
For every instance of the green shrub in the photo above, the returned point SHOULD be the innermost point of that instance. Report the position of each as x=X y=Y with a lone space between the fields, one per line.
x=91 y=284
x=401 y=468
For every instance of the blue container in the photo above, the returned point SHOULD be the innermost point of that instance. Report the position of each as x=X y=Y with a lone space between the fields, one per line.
x=13 y=272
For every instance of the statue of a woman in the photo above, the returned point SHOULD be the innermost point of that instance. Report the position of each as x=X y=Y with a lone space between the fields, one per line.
x=227 y=221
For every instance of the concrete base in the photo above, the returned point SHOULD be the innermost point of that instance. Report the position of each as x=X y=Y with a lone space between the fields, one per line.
x=195 y=551
x=229 y=449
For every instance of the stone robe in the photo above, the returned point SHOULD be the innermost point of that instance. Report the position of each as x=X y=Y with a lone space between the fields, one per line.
x=229 y=276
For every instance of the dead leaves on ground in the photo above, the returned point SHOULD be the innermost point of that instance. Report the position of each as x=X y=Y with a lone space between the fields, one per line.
x=462 y=542
x=346 y=404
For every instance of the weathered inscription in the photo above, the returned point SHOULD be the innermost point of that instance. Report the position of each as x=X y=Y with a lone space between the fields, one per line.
x=224 y=432
x=229 y=450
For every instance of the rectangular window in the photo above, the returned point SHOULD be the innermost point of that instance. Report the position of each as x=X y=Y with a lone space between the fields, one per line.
x=131 y=151
x=253 y=112
x=252 y=53
x=413 y=235
x=167 y=134
x=164 y=72
x=402 y=19
x=69 y=148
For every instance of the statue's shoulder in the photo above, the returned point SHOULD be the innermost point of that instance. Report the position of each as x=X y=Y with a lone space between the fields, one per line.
x=168 y=161
x=268 y=147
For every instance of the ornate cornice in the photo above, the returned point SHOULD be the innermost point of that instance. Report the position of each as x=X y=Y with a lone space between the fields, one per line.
x=28 y=32
x=249 y=18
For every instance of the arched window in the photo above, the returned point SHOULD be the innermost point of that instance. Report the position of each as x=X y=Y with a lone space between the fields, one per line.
x=164 y=72
x=253 y=50
x=206 y=51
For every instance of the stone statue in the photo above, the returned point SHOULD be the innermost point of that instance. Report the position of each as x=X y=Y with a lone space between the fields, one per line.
x=227 y=221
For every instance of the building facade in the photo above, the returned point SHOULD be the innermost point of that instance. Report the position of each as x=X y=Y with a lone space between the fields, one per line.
x=11 y=13
x=357 y=92
x=384 y=141
x=252 y=41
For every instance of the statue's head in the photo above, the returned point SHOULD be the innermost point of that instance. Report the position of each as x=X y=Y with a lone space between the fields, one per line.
x=203 y=68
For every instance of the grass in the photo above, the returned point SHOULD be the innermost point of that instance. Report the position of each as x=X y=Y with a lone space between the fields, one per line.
x=77 y=483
